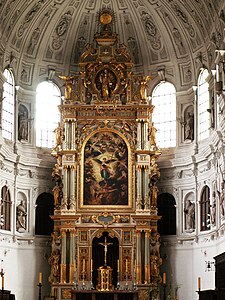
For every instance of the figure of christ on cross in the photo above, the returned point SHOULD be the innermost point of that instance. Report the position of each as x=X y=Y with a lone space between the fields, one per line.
x=105 y=244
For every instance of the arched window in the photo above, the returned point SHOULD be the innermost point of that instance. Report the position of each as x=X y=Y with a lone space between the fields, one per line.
x=164 y=114
x=45 y=208
x=167 y=210
x=48 y=98
x=8 y=106
x=5 y=209
x=203 y=105
x=205 y=209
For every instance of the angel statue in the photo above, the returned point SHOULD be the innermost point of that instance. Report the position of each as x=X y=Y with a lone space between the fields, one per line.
x=143 y=81
x=68 y=84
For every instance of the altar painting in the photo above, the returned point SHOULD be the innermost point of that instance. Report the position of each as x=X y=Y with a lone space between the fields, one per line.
x=105 y=170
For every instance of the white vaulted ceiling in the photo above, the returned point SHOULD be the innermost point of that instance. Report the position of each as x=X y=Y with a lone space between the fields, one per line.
x=176 y=36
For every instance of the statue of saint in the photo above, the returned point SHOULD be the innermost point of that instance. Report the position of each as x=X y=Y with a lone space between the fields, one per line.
x=21 y=216
x=189 y=210
x=189 y=127
x=23 y=127
x=105 y=84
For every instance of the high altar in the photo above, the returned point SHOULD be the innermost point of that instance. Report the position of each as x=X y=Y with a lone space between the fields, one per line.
x=105 y=218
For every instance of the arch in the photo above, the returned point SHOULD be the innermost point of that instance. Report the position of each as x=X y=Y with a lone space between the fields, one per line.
x=5 y=209
x=164 y=114
x=205 y=209
x=98 y=255
x=44 y=208
x=48 y=98
x=167 y=210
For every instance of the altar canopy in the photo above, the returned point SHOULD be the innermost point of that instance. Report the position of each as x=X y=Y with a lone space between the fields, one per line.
x=105 y=175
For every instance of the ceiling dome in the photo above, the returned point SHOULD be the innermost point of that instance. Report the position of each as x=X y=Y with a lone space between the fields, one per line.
x=164 y=37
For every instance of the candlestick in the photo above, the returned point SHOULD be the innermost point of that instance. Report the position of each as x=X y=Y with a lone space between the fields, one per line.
x=3 y=282
x=118 y=264
x=75 y=264
x=199 y=283
x=83 y=265
x=40 y=278
x=164 y=278
x=91 y=265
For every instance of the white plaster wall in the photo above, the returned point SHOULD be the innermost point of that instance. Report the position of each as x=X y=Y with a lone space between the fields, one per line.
x=22 y=262
x=185 y=261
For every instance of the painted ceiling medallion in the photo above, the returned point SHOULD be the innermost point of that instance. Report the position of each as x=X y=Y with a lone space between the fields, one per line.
x=105 y=18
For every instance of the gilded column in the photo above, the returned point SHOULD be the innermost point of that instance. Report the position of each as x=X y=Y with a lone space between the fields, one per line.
x=146 y=188
x=65 y=187
x=139 y=135
x=139 y=188
x=138 y=235
x=72 y=255
x=73 y=136
x=145 y=135
x=63 y=257
x=72 y=195
x=147 y=257
x=66 y=135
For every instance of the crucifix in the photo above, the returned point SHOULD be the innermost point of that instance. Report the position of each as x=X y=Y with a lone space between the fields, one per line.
x=105 y=244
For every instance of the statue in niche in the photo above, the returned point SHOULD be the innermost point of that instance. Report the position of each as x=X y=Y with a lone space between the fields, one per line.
x=213 y=209
x=189 y=126
x=21 y=216
x=222 y=200
x=189 y=211
x=23 y=126
x=106 y=83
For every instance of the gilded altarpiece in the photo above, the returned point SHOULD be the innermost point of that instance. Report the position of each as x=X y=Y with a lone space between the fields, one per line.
x=105 y=175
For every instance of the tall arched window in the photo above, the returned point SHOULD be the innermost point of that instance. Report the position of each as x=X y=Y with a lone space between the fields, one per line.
x=167 y=210
x=205 y=209
x=45 y=208
x=48 y=98
x=8 y=106
x=5 y=209
x=203 y=105
x=164 y=115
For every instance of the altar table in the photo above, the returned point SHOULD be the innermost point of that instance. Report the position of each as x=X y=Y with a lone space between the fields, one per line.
x=104 y=295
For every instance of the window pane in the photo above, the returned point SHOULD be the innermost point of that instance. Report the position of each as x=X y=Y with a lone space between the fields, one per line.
x=203 y=105
x=164 y=115
x=48 y=98
x=8 y=106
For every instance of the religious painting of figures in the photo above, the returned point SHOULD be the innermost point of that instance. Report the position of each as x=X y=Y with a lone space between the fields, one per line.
x=105 y=170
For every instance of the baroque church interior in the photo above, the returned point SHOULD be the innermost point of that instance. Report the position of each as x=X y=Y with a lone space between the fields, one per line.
x=112 y=164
